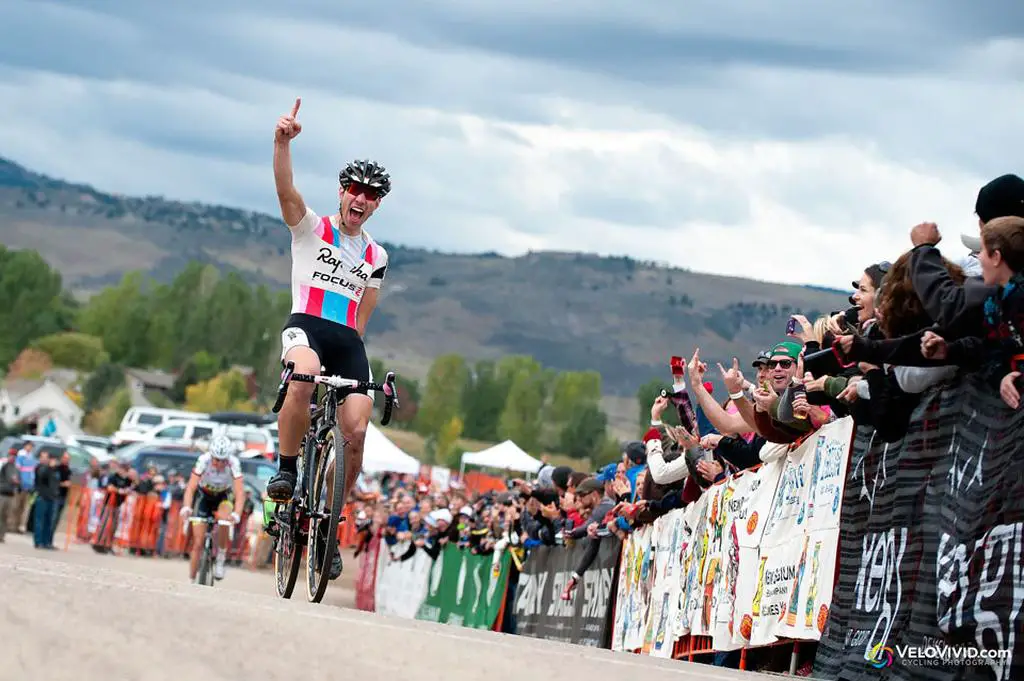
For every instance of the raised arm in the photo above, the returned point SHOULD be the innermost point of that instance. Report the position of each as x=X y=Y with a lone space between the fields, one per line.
x=293 y=208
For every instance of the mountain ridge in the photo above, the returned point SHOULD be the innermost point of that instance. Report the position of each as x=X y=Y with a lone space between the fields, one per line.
x=571 y=311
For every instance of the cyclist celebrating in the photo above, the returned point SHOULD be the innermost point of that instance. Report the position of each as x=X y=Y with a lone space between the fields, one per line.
x=337 y=271
x=216 y=475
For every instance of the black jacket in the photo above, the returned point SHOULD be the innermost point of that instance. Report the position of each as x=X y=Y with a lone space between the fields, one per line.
x=47 y=482
x=10 y=479
x=956 y=310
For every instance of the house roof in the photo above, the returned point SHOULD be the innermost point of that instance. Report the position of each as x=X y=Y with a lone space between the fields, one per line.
x=19 y=387
x=152 y=378
x=65 y=378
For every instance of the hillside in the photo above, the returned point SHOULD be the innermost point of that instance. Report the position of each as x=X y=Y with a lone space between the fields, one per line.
x=569 y=310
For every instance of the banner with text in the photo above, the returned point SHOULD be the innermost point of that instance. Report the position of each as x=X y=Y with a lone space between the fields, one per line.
x=585 y=620
x=465 y=589
x=750 y=562
x=931 y=577
x=401 y=580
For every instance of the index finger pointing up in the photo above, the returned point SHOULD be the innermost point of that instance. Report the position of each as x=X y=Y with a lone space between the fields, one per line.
x=295 y=109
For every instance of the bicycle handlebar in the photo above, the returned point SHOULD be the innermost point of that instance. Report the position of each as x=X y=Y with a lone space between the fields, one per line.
x=210 y=521
x=337 y=383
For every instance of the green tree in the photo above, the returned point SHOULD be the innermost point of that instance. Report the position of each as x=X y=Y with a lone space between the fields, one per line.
x=442 y=398
x=484 y=400
x=32 y=303
x=120 y=316
x=101 y=384
x=645 y=397
x=73 y=350
x=201 y=366
x=108 y=419
x=520 y=420
x=610 y=452
x=585 y=432
x=174 y=307
x=571 y=391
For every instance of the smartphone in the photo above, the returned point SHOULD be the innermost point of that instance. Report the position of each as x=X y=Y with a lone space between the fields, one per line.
x=791 y=326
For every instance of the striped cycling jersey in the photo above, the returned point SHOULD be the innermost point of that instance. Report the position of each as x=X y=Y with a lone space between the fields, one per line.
x=331 y=270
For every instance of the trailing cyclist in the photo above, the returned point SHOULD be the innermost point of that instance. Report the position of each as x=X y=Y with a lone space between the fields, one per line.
x=217 y=477
x=337 y=272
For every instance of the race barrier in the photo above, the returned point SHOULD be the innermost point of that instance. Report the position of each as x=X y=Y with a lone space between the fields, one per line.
x=931 y=576
x=458 y=588
x=137 y=523
x=585 y=620
x=749 y=564
x=466 y=589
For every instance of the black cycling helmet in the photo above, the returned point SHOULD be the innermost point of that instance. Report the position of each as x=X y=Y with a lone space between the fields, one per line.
x=366 y=172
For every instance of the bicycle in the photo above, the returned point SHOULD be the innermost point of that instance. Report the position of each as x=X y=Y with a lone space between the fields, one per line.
x=306 y=516
x=204 y=571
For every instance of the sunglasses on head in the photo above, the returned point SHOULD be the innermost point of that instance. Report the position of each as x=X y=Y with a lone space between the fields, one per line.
x=781 y=363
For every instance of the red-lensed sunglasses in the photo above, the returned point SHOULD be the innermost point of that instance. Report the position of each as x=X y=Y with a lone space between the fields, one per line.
x=355 y=189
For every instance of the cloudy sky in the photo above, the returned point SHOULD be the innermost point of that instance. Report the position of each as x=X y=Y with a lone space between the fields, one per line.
x=788 y=141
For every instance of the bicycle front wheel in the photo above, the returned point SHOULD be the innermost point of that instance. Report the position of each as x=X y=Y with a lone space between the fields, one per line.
x=204 y=575
x=324 y=516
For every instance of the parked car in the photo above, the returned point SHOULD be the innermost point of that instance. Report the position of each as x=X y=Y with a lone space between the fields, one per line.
x=80 y=457
x=100 y=447
x=138 y=420
x=250 y=440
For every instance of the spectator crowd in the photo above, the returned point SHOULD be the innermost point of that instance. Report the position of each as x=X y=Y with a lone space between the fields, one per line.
x=911 y=325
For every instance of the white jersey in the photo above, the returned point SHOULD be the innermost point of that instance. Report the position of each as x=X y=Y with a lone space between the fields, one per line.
x=213 y=480
x=332 y=270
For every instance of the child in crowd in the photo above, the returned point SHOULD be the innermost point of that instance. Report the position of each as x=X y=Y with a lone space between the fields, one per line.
x=1000 y=353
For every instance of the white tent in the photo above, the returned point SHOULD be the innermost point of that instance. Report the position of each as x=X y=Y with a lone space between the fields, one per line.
x=505 y=456
x=381 y=455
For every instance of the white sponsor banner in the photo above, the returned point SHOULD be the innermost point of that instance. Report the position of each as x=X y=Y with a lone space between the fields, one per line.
x=401 y=584
x=750 y=562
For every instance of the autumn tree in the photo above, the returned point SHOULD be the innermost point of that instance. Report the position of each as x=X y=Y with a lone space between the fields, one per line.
x=226 y=391
x=445 y=446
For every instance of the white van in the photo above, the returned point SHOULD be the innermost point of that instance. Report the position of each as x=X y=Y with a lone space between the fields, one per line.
x=251 y=441
x=138 y=420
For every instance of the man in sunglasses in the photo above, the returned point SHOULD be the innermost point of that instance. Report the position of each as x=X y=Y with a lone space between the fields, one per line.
x=782 y=365
x=337 y=272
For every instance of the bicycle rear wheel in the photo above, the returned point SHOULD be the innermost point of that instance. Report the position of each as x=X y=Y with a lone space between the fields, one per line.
x=323 y=521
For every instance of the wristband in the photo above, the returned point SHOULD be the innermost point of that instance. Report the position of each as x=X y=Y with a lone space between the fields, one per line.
x=656 y=423
x=737 y=396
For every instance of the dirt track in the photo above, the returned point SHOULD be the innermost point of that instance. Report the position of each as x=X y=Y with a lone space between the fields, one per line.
x=83 y=616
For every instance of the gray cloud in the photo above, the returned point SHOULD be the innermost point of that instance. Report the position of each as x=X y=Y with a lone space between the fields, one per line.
x=508 y=128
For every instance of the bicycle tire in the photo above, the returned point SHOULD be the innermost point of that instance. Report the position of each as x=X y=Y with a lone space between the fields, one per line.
x=318 y=563
x=287 y=563
x=204 y=574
